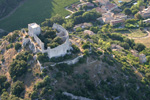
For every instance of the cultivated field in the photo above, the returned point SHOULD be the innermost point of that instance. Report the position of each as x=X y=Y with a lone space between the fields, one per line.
x=35 y=11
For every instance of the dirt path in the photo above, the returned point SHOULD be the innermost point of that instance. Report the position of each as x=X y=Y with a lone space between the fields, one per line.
x=69 y=10
x=139 y=74
x=147 y=36
x=20 y=4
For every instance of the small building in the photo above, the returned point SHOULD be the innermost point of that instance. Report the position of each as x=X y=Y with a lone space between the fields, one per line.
x=89 y=4
x=110 y=6
x=145 y=13
x=107 y=17
x=142 y=58
x=100 y=10
x=120 y=16
x=147 y=20
x=116 y=22
x=102 y=2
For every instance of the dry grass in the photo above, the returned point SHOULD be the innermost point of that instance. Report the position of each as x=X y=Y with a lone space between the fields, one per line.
x=134 y=33
x=145 y=41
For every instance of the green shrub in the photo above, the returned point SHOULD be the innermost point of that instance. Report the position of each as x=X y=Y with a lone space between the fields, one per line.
x=86 y=46
x=13 y=37
x=9 y=46
x=86 y=52
x=2 y=59
x=75 y=49
x=139 y=47
x=2 y=79
x=17 y=88
x=82 y=60
x=18 y=68
x=42 y=57
x=34 y=95
x=17 y=46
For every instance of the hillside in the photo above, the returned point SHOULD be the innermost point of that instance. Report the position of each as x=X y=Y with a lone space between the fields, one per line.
x=109 y=69
x=93 y=54
x=35 y=11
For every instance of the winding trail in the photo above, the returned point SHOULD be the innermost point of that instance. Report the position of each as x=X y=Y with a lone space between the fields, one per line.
x=147 y=36
x=20 y=4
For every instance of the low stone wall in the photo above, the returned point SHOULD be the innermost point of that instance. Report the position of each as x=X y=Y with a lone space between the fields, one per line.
x=70 y=62
x=75 y=97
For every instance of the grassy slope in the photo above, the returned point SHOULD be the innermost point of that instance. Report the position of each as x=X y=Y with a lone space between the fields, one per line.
x=35 y=11
x=134 y=33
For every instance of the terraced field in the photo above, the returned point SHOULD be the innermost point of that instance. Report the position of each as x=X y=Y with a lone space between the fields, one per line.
x=35 y=11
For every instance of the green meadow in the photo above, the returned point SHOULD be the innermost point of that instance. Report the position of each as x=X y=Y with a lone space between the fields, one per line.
x=35 y=11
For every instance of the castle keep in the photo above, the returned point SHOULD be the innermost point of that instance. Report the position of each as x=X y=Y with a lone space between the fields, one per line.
x=34 y=30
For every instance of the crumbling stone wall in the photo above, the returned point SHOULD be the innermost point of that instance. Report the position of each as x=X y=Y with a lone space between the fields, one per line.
x=59 y=50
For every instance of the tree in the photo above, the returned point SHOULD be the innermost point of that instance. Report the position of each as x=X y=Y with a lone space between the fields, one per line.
x=17 y=46
x=5 y=96
x=90 y=15
x=2 y=79
x=125 y=45
x=3 y=83
x=18 y=68
x=90 y=1
x=84 y=7
x=58 y=40
x=147 y=75
x=134 y=11
x=34 y=95
x=68 y=24
x=42 y=57
x=80 y=12
x=139 y=47
x=138 y=16
x=127 y=11
x=57 y=19
x=141 y=24
x=75 y=49
x=17 y=88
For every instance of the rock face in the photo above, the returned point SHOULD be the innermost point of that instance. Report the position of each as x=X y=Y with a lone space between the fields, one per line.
x=75 y=97
x=116 y=47
x=60 y=50
x=142 y=58
x=32 y=48
x=27 y=41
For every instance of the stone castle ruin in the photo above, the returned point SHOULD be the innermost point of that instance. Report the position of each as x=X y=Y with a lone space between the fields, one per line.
x=34 y=30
